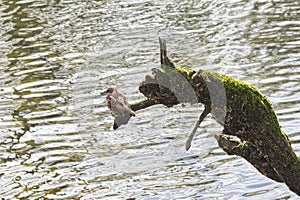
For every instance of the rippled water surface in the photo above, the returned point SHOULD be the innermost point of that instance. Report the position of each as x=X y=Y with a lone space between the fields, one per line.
x=56 y=56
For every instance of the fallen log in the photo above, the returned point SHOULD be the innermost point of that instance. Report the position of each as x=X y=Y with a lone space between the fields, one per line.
x=251 y=129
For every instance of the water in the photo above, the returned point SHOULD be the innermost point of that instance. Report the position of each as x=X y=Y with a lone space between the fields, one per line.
x=56 y=140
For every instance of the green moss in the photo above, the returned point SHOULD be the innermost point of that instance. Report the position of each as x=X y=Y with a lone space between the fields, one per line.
x=284 y=135
x=248 y=93
x=241 y=93
x=249 y=116
x=245 y=91
x=212 y=75
x=187 y=73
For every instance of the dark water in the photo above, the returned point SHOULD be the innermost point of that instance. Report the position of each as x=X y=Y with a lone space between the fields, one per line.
x=56 y=56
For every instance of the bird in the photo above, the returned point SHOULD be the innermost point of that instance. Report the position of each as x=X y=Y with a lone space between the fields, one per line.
x=119 y=107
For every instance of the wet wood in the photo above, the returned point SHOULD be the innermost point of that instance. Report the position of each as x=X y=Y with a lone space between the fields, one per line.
x=245 y=114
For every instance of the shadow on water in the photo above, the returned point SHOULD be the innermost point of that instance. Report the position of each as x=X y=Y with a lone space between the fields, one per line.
x=56 y=140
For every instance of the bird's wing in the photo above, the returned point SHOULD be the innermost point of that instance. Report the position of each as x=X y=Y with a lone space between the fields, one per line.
x=121 y=101
x=121 y=95
x=120 y=120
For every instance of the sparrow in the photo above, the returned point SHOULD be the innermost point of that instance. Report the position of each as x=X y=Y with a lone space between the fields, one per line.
x=119 y=107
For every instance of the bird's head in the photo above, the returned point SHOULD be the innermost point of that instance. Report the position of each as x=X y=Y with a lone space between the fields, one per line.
x=111 y=101
x=108 y=91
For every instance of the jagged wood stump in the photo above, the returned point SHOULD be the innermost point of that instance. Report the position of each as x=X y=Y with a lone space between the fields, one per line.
x=245 y=113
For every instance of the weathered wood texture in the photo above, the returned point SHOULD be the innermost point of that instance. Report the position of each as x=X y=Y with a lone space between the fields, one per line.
x=244 y=113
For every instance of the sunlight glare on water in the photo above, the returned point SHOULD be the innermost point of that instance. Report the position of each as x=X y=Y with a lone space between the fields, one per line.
x=56 y=57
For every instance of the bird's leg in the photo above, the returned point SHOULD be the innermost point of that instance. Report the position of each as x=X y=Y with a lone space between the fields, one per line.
x=201 y=118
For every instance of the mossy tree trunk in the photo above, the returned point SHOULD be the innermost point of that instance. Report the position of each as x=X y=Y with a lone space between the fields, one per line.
x=246 y=114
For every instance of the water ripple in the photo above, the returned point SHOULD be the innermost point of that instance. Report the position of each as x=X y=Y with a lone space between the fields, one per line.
x=56 y=140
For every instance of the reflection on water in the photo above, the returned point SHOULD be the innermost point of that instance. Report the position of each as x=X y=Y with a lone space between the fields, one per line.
x=56 y=140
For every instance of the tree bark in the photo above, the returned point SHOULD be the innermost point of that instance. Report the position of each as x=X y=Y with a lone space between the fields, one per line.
x=244 y=113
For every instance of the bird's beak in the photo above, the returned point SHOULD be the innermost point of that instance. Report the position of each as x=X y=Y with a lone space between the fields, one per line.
x=104 y=92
